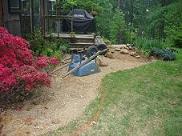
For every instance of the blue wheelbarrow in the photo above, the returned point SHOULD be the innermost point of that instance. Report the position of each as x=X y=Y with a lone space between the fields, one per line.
x=83 y=66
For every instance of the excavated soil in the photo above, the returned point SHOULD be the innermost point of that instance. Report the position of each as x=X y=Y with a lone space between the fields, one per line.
x=63 y=102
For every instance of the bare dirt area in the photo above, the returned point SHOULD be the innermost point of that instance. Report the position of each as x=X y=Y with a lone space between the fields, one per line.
x=63 y=102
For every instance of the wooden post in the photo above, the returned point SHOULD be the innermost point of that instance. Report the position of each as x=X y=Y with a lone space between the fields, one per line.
x=72 y=24
x=31 y=16
x=42 y=16
x=1 y=13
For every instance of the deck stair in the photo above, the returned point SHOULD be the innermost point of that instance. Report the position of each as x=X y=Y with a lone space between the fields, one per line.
x=76 y=40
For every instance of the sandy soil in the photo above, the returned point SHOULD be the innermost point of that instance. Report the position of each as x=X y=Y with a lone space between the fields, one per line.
x=62 y=103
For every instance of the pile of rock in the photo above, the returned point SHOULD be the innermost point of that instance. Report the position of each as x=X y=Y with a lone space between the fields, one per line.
x=126 y=49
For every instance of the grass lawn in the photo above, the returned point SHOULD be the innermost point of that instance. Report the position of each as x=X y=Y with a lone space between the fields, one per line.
x=141 y=101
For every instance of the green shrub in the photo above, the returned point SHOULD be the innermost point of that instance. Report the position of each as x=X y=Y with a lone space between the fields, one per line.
x=177 y=41
x=49 y=47
x=108 y=42
x=117 y=27
x=130 y=37
x=165 y=54
x=37 y=42
x=147 y=45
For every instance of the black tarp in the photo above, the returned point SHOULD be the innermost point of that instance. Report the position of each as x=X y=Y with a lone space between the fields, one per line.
x=83 y=22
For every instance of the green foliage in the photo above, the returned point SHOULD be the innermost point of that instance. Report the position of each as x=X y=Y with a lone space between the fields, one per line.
x=130 y=37
x=154 y=23
x=37 y=42
x=146 y=45
x=164 y=54
x=111 y=25
x=117 y=27
x=110 y=22
x=158 y=20
x=108 y=42
x=104 y=19
x=164 y=21
x=178 y=39
x=49 y=47
x=89 y=5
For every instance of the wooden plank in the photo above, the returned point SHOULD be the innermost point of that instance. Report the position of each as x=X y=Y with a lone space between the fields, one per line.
x=58 y=17
x=78 y=49
x=79 y=46
x=81 y=43
x=76 y=40
x=68 y=36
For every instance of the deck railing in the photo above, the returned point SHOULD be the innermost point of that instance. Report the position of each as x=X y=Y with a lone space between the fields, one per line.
x=53 y=23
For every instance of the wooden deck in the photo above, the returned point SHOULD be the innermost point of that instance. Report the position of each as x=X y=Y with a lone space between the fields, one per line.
x=68 y=36
x=75 y=40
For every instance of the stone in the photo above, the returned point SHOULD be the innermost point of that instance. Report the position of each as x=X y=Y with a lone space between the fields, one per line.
x=130 y=48
x=55 y=121
x=111 y=51
x=152 y=58
x=138 y=56
x=81 y=96
x=29 y=121
x=100 y=62
x=117 y=49
x=123 y=47
x=35 y=103
x=133 y=54
x=93 y=123
x=109 y=55
x=46 y=107
x=124 y=51
x=126 y=48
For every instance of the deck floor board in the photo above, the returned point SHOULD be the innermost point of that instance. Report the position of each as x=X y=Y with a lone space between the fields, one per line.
x=68 y=36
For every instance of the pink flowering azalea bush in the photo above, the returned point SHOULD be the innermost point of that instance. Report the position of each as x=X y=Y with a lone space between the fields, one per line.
x=19 y=67
x=45 y=61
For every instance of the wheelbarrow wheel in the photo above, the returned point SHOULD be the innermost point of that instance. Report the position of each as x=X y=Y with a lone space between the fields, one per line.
x=91 y=51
